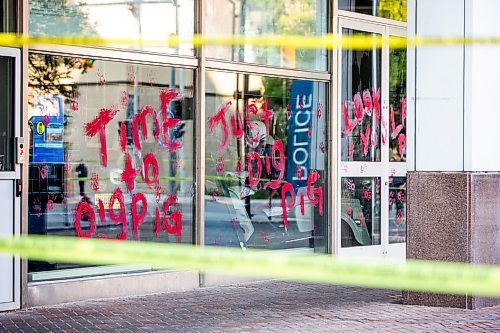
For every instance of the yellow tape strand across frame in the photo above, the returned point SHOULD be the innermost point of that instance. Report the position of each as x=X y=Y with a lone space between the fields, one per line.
x=429 y=276
x=327 y=41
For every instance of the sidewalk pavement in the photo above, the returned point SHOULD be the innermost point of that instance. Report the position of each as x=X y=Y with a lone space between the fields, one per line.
x=271 y=306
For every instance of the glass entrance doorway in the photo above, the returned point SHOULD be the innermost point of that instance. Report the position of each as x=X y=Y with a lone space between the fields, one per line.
x=372 y=146
x=10 y=172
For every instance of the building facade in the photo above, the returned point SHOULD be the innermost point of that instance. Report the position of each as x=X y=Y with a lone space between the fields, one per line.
x=284 y=149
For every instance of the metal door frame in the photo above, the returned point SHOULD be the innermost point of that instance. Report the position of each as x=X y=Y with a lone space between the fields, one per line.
x=380 y=169
x=15 y=175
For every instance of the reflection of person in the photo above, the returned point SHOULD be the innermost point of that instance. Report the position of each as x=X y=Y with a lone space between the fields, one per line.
x=81 y=173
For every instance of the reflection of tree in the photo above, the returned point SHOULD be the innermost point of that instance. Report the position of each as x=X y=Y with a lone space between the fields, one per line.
x=55 y=75
x=59 y=18
x=292 y=17
x=277 y=92
x=393 y=9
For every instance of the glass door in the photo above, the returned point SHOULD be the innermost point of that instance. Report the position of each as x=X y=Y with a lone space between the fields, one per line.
x=9 y=173
x=371 y=176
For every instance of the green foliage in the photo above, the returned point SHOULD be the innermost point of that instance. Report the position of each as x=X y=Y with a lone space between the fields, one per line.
x=393 y=9
x=52 y=75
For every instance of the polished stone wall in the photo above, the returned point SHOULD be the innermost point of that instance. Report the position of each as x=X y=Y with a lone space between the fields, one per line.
x=453 y=216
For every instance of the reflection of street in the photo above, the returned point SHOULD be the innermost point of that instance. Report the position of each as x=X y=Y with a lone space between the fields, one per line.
x=225 y=225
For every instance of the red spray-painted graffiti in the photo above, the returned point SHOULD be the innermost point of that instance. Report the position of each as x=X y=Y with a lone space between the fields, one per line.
x=98 y=126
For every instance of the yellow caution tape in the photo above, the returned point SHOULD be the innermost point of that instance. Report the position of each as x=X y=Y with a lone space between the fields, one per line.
x=327 y=41
x=428 y=276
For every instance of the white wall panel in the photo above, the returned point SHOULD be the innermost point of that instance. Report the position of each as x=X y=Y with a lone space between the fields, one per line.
x=482 y=86
x=439 y=88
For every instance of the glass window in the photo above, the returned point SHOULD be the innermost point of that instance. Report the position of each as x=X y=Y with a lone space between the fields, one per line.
x=397 y=108
x=361 y=118
x=114 y=19
x=263 y=17
x=360 y=214
x=6 y=114
x=111 y=150
x=265 y=162
x=8 y=16
x=397 y=209
x=390 y=9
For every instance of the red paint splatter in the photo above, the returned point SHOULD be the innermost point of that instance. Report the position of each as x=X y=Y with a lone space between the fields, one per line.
x=358 y=107
x=238 y=129
x=140 y=120
x=158 y=192
x=396 y=129
x=151 y=164
x=129 y=173
x=124 y=100
x=367 y=195
x=219 y=164
x=102 y=213
x=123 y=137
x=100 y=77
x=401 y=144
x=98 y=126
x=83 y=209
x=302 y=204
x=131 y=75
x=309 y=132
x=361 y=218
x=288 y=112
x=315 y=194
x=46 y=120
x=220 y=117
x=384 y=129
x=264 y=237
x=364 y=139
x=399 y=216
x=43 y=171
x=94 y=183
x=350 y=151
x=253 y=182
x=349 y=212
x=266 y=115
x=322 y=147
x=234 y=223
x=298 y=172
x=50 y=205
x=363 y=168
x=287 y=188
x=393 y=172
x=319 y=110
x=279 y=165
x=166 y=96
x=157 y=222
x=301 y=98
x=74 y=101
x=238 y=167
x=138 y=218
x=171 y=145
x=121 y=217
x=175 y=217
x=367 y=101
x=376 y=105
x=401 y=196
